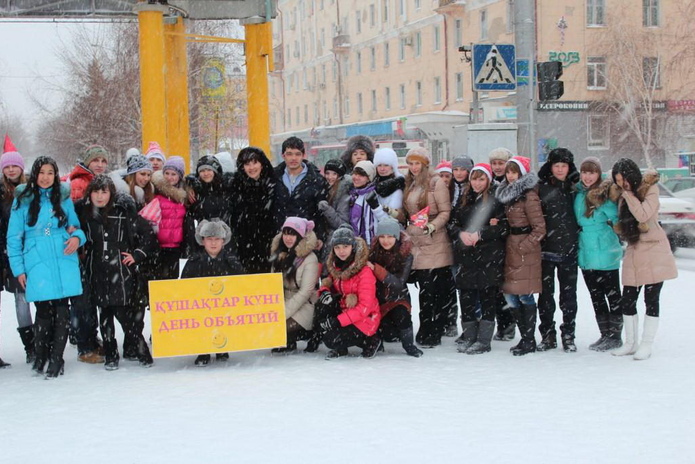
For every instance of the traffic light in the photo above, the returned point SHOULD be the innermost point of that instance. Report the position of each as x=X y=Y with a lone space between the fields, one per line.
x=549 y=85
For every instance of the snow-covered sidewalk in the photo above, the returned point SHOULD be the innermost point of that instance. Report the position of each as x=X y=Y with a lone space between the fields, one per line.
x=443 y=407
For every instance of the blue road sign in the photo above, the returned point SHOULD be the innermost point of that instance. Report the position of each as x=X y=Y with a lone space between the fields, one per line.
x=494 y=67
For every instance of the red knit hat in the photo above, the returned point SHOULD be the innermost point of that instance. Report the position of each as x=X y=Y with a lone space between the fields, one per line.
x=444 y=166
x=523 y=163
x=483 y=167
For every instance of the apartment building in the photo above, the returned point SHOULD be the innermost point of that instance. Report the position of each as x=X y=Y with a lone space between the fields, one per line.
x=393 y=69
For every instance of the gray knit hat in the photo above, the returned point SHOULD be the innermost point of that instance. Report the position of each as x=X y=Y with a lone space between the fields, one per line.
x=388 y=226
x=137 y=163
x=343 y=235
x=213 y=228
x=591 y=160
x=462 y=162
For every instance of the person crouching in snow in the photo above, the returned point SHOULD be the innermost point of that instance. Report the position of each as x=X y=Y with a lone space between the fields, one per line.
x=42 y=238
x=391 y=261
x=215 y=259
x=648 y=260
x=292 y=254
x=348 y=310
x=522 y=262
x=118 y=240
x=365 y=209
x=478 y=230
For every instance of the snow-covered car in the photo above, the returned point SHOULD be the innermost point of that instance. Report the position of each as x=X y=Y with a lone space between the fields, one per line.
x=677 y=217
x=687 y=194
x=676 y=184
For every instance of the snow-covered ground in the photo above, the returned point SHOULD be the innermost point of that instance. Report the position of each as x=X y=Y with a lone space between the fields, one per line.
x=443 y=407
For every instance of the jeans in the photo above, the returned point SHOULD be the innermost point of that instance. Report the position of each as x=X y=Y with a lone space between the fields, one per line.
x=516 y=301
x=23 y=310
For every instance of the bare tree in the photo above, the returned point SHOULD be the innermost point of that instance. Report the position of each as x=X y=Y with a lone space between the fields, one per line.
x=645 y=68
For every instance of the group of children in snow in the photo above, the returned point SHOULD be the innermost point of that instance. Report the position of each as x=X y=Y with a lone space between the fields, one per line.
x=488 y=235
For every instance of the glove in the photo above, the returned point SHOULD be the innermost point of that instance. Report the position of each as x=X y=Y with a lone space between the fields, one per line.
x=324 y=206
x=372 y=200
x=430 y=228
x=325 y=299
x=329 y=324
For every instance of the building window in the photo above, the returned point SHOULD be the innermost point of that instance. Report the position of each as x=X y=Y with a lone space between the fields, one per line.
x=437 y=90
x=510 y=16
x=418 y=93
x=387 y=54
x=418 y=44
x=325 y=111
x=402 y=8
x=335 y=107
x=372 y=15
x=459 y=86
x=323 y=73
x=373 y=100
x=436 y=39
x=358 y=62
x=401 y=48
x=483 y=24
x=596 y=73
x=372 y=58
x=296 y=115
x=650 y=71
x=458 y=32
x=335 y=70
x=306 y=114
x=346 y=105
x=402 y=95
x=386 y=11
x=650 y=13
x=387 y=96
x=346 y=65
x=359 y=103
x=418 y=4
x=595 y=10
x=358 y=21
x=597 y=131
x=289 y=118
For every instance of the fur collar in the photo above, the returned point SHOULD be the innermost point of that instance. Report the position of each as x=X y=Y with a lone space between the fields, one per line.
x=302 y=250
x=162 y=187
x=361 y=258
x=64 y=192
x=606 y=190
x=509 y=193
x=649 y=178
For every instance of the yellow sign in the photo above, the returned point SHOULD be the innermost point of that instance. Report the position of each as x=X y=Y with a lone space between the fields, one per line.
x=214 y=78
x=217 y=314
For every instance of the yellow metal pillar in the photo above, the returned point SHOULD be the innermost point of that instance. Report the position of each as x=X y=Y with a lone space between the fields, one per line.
x=152 y=94
x=177 y=123
x=259 y=49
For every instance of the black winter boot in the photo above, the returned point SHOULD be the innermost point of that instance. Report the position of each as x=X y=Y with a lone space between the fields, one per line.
x=548 y=341
x=312 y=345
x=526 y=320
x=506 y=328
x=61 y=328
x=27 y=336
x=469 y=334
x=568 y=345
x=615 y=328
x=4 y=365
x=144 y=355
x=407 y=340
x=335 y=354
x=371 y=346
x=43 y=332
x=603 y=328
x=290 y=348
x=482 y=344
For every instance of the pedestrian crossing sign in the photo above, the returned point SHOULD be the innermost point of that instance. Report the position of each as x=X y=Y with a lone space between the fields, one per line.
x=494 y=67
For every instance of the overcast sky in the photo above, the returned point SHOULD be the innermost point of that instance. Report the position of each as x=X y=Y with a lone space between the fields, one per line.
x=28 y=59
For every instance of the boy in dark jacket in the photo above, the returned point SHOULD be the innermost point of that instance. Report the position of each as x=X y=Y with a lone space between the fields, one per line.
x=214 y=260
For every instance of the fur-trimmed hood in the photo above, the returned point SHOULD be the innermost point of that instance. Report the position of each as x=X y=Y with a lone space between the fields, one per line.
x=162 y=187
x=508 y=193
x=606 y=190
x=649 y=177
x=64 y=192
x=361 y=257
x=303 y=249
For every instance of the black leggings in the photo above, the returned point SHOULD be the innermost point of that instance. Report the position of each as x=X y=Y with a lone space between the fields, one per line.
x=397 y=318
x=469 y=297
x=651 y=299
x=437 y=296
x=604 y=288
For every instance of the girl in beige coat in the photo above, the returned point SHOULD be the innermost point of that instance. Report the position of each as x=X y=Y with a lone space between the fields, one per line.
x=648 y=260
x=432 y=253
x=292 y=253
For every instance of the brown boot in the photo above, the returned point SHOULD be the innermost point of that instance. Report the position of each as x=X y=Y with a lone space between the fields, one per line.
x=91 y=357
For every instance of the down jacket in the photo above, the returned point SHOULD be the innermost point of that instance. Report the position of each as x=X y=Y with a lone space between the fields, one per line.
x=124 y=231
x=171 y=201
x=480 y=266
x=356 y=284
x=599 y=246
x=522 y=265
x=430 y=251
x=300 y=292
x=37 y=250
x=649 y=261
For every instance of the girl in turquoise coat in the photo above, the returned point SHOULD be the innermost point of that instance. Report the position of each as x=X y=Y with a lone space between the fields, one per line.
x=42 y=238
x=596 y=209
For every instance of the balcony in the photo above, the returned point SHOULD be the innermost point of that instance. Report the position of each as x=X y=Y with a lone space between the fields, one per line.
x=451 y=3
x=341 y=43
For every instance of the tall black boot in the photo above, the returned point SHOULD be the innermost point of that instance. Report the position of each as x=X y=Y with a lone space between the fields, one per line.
x=506 y=328
x=43 y=332
x=603 y=328
x=526 y=320
x=27 y=336
x=548 y=340
x=482 y=344
x=408 y=342
x=469 y=333
x=613 y=338
x=144 y=355
x=61 y=329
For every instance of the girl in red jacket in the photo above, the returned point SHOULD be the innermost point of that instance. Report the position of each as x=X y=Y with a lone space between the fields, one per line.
x=348 y=309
